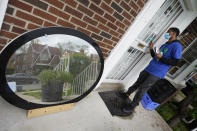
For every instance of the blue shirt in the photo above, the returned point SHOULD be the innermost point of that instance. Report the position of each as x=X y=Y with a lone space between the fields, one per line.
x=168 y=50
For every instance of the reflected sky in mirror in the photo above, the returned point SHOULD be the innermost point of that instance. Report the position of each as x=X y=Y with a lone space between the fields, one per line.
x=53 y=69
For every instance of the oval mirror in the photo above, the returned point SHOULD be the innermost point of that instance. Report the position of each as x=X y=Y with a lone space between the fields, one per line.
x=49 y=66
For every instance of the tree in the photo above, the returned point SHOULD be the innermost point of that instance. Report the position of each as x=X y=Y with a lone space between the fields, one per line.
x=78 y=62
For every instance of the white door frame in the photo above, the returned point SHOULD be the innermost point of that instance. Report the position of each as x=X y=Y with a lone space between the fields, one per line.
x=3 y=7
x=131 y=34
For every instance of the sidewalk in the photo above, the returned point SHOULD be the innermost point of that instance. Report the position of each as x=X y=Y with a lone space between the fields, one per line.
x=90 y=114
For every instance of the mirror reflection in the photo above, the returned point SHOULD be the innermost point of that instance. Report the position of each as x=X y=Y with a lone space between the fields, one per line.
x=53 y=69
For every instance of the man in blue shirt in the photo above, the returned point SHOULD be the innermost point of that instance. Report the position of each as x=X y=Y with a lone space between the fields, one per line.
x=169 y=55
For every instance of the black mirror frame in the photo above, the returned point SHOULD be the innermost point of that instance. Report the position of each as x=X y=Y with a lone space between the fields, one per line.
x=16 y=43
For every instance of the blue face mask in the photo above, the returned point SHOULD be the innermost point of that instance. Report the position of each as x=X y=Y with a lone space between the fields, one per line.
x=167 y=36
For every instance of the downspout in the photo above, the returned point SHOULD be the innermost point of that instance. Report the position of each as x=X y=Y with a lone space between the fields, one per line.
x=3 y=7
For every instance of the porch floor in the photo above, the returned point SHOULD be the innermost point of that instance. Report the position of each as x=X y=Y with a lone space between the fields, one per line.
x=90 y=114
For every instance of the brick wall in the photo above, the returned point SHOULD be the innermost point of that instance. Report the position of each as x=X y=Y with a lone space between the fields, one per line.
x=103 y=20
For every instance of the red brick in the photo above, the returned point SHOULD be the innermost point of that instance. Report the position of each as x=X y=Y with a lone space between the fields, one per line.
x=115 y=39
x=96 y=9
x=46 y=24
x=28 y=17
x=120 y=36
x=90 y=21
x=109 y=42
x=127 y=15
x=3 y=41
x=94 y=29
x=15 y=21
x=104 y=46
x=125 y=6
x=59 y=13
x=65 y=23
x=73 y=12
x=100 y=19
x=121 y=31
x=8 y=34
x=96 y=37
x=78 y=22
x=84 y=31
x=10 y=10
x=32 y=26
x=56 y=3
x=115 y=44
x=102 y=27
x=133 y=13
x=96 y=1
x=21 y=5
x=114 y=33
x=84 y=2
x=134 y=5
x=38 y=3
x=108 y=46
x=5 y=27
x=107 y=8
x=18 y=30
x=71 y=3
x=118 y=1
x=85 y=10
x=140 y=3
x=104 y=50
x=120 y=24
x=112 y=26
x=108 y=1
x=126 y=22
x=109 y=17
x=99 y=43
x=44 y=15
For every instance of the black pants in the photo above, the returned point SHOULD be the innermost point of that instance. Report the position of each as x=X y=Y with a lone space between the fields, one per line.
x=144 y=82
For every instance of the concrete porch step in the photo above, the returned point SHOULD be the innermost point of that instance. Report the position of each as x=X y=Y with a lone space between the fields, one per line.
x=110 y=87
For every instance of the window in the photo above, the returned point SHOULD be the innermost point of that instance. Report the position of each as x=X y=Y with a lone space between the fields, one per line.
x=188 y=39
x=44 y=56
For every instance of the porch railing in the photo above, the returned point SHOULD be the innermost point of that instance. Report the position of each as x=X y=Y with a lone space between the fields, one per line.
x=85 y=79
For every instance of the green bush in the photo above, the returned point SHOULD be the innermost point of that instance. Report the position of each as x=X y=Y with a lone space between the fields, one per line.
x=64 y=77
x=47 y=75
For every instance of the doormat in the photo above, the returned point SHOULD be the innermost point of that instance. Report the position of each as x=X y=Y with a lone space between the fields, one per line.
x=114 y=103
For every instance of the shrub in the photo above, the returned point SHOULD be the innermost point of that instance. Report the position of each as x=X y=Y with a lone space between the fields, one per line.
x=64 y=77
x=47 y=75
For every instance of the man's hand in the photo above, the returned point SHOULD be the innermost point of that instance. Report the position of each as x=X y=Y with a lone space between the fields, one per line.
x=151 y=45
x=158 y=55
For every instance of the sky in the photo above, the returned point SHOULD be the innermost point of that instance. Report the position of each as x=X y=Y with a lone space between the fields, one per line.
x=52 y=40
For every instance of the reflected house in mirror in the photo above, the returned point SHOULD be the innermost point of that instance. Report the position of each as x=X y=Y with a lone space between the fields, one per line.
x=37 y=57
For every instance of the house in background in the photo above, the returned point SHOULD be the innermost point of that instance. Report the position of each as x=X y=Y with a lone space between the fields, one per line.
x=37 y=57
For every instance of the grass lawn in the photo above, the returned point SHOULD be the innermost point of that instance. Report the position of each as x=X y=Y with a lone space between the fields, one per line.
x=37 y=94
x=26 y=90
x=167 y=111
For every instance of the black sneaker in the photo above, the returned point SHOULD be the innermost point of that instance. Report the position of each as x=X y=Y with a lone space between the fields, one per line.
x=128 y=109
x=122 y=95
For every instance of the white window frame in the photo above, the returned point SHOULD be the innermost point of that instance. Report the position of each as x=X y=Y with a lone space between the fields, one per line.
x=3 y=7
